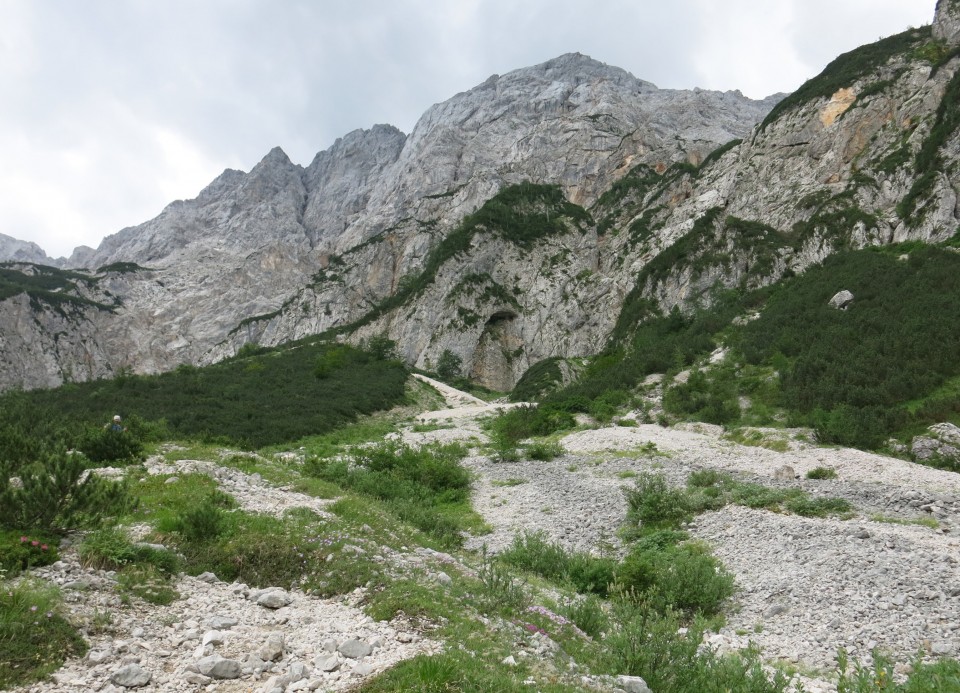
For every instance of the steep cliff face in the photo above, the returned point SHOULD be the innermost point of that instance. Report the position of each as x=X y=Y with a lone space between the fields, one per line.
x=865 y=154
x=51 y=326
x=518 y=219
x=253 y=255
x=946 y=23
x=572 y=123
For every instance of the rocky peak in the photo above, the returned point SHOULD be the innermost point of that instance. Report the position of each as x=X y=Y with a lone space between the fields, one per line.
x=274 y=176
x=571 y=121
x=340 y=179
x=12 y=249
x=946 y=21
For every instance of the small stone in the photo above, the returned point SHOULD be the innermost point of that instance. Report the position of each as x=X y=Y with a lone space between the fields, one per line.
x=362 y=669
x=632 y=684
x=221 y=622
x=941 y=648
x=327 y=662
x=99 y=656
x=196 y=678
x=218 y=667
x=131 y=676
x=298 y=671
x=274 y=599
x=785 y=473
x=776 y=610
x=172 y=480
x=272 y=649
x=212 y=637
x=841 y=300
x=510 y=661
x=354 y=648
x=444 y=579
x=207 y=577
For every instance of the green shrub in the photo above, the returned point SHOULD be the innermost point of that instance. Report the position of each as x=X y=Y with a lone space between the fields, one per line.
x=34 y=638
x=500 y=591
x=704 y=478
x=541 y=378
x=822 y=473
x=588 y=614
x=682 y=577
x=818 y=507
x=201 y=524
x=544 y=451
x=535 y=553
x=503 y=448
x=111 y=549
x=761 y=497
x=19 y=552
x=449 y=365
x=653 y=504
x=523 y=422
x=711 y=399
x=426 y=487
x=849 y=373
x=227 y=401
x=692 y=580
x=669 y=657
x=55 y=494
x=105 y=445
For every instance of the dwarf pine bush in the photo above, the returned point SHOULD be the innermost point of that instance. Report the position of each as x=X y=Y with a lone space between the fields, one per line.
x=57 y=493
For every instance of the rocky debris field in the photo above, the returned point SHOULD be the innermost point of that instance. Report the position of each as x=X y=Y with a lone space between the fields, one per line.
x=887 y=576
x=224 y=637
x=807 y=586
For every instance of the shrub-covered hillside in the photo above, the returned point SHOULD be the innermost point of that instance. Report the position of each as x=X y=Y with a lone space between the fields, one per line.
x=886 y=366
x=259 y=398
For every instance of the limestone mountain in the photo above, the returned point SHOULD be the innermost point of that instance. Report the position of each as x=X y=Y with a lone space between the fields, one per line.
x=522 y=219
x=250 y=242
x=13 y=250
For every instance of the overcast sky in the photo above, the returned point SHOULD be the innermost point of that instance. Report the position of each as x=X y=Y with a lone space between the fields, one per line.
x=110 y=109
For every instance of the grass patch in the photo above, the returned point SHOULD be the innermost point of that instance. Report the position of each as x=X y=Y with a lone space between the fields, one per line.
x=822 y=473
x=425 y=487
x=652 y=504
x=534 y=553
x=35 y=639
x=929 y=522
x=755 y=438
x=942 y=676
x=544 y=451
